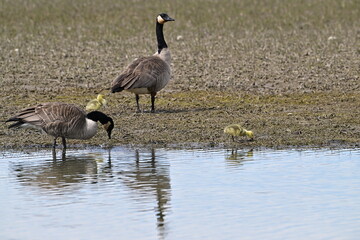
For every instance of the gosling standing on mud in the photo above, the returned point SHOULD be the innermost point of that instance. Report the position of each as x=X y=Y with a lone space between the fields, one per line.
x=237 y=130
x=147 y=75
x=62 y=120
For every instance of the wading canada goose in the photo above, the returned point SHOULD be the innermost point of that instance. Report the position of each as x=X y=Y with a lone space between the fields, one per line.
x=237 y=130
x=96 y=103
x=147 y=75
x=62 y=120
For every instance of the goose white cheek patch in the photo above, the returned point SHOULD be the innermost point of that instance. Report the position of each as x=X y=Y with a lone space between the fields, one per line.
x=160 y=20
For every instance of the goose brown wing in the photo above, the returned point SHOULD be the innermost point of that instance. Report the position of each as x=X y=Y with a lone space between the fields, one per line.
x=147 y=72
x=60 y=118
x=50 y=116
x=119 y=82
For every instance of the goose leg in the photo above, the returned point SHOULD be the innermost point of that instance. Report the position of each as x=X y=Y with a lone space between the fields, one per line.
x=153 y=102
x=63 y=142
x=63 y=154
x=54 y=154
x=137 y=102
x=54 y=146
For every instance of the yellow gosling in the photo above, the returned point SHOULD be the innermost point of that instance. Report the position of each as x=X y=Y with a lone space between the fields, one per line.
x=237 y=130
x=96 y=103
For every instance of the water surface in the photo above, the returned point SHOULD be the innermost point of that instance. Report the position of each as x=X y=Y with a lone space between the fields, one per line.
x=180 y=194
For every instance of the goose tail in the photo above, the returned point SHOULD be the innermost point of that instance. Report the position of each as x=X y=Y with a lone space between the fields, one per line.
x=18 y=122
x=117 y=84
x=116 y=88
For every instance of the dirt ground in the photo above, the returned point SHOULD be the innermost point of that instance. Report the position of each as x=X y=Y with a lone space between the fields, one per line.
x=288 y=71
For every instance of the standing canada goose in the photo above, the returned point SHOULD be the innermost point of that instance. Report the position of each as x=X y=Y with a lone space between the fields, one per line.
x=237 y=130
x=147 y=75
x=62 y=120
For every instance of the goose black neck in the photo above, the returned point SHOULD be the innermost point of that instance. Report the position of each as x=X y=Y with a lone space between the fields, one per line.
x=160 y=37
x=98 y=116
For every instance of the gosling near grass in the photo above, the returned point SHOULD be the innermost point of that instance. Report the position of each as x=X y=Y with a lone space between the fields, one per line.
x=236 y=130
x=148 y=75
x=62 y=120
x=96 y=103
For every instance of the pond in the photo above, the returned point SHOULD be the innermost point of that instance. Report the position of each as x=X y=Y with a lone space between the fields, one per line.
x=126 y=193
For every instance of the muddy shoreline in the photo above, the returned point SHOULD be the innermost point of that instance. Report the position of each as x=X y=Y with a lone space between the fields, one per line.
x=315 y=120
x=292 y=79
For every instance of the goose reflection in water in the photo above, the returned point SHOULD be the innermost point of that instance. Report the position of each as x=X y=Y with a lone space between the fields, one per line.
x=148 y=177
x=237 y=157
x=61 y=173
x=144 y=174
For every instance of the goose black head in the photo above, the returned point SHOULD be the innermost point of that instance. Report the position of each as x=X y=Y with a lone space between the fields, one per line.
x=109 y=126
x=163 y=18
x=105 y=120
